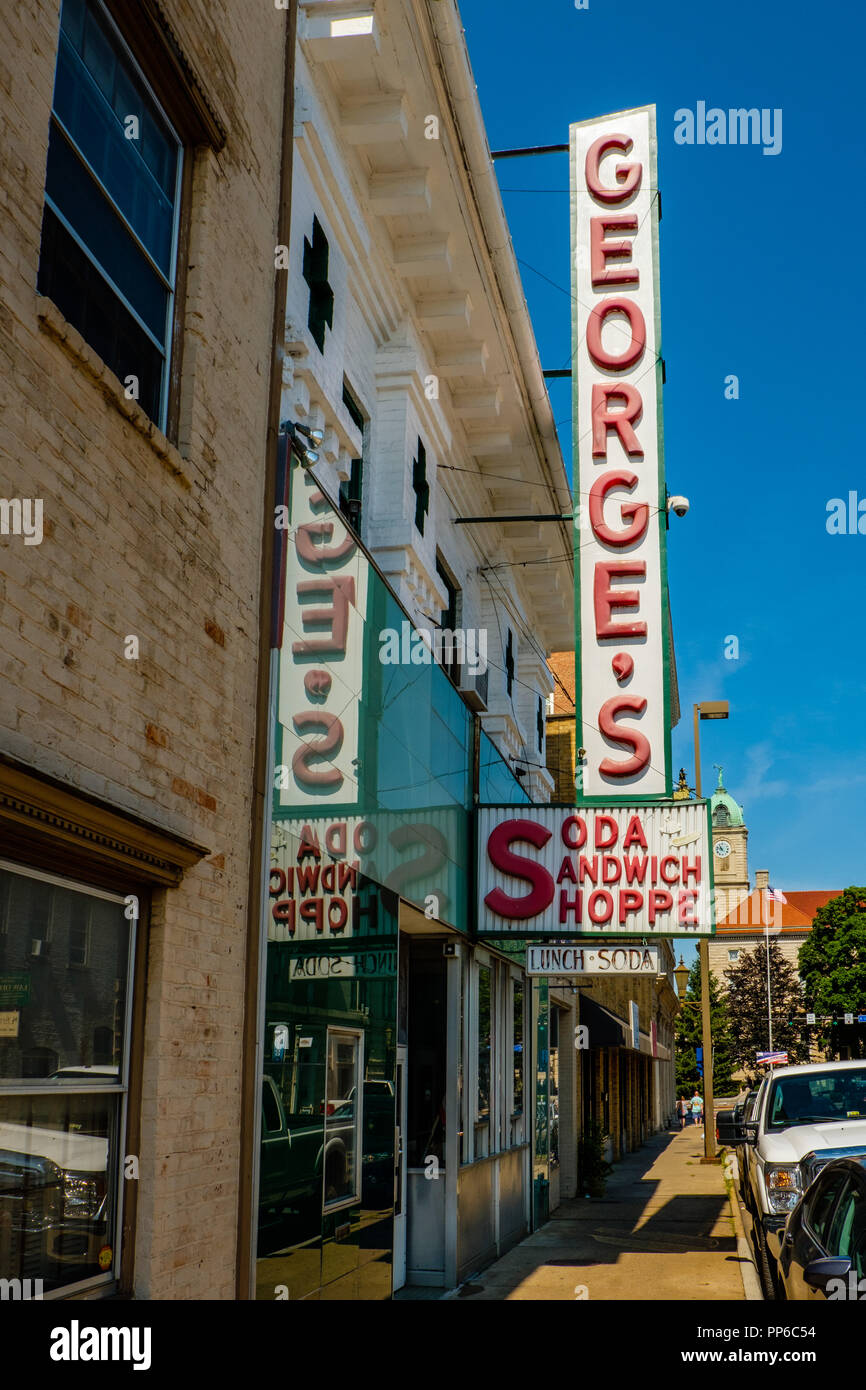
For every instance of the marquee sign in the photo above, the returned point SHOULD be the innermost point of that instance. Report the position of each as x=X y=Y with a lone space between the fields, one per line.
x=621 y=609
x=592 y=960
x=602 y=870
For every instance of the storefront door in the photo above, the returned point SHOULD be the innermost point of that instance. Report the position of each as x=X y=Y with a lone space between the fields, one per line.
x=401 y=1086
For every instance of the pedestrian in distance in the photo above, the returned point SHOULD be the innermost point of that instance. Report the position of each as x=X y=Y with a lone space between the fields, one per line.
x=681 y=1111
x=697 y=1105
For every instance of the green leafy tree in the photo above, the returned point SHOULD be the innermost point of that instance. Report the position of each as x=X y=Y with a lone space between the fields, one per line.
x=688 y=1035
x=832 y=963
x=747 y=996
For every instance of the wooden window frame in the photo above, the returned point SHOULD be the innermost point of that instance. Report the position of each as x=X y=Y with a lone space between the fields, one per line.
x=49 y=826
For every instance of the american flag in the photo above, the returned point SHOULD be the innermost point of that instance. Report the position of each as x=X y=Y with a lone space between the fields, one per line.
x=775 y=896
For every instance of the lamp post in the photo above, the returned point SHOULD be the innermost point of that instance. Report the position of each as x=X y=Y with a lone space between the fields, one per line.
x=710 y=709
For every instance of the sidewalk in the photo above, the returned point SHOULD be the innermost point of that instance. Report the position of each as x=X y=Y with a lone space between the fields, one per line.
x=663 y=1230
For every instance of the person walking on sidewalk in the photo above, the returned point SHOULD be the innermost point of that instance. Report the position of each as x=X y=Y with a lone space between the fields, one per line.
x=697 y=1108
x=681 y=1111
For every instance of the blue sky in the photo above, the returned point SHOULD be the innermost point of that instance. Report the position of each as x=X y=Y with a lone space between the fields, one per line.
x=748 y=242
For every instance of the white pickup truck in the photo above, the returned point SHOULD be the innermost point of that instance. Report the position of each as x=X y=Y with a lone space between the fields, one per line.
x=803 y=1117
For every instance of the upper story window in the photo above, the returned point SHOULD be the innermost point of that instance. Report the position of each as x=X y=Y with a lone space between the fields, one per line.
x=351 y=489
x=509 y=663
x=315 y=272
x=420 y=487
x=112 y=196
x=451 y=651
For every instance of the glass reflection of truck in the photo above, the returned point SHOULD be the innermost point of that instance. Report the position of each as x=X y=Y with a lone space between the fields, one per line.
x=307 y=1164
x=53 y=1189
x=301 y=1163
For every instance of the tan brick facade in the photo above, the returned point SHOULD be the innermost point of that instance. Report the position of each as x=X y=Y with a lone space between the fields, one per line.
x=163 y=543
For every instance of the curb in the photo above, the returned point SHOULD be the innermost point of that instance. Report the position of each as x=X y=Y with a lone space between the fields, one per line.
x=749 y=1275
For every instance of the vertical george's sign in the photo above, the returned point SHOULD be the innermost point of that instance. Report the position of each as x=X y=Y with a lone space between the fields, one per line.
x=320 y=632
x=621 y=608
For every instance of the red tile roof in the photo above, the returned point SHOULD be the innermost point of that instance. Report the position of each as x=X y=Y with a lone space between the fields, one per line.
x=757 y=912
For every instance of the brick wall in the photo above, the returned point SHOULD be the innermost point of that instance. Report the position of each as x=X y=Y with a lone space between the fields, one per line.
x=161 y=543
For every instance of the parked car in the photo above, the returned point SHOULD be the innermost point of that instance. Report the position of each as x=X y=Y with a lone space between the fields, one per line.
x=823 y=1249
x=803 y=1117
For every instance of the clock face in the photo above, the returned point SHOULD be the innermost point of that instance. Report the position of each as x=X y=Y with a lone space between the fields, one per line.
x=722 y=849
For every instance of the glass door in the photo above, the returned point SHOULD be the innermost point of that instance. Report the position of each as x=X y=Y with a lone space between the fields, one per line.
x=400 y=1172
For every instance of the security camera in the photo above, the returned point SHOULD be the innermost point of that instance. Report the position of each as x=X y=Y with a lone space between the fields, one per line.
x=680 y=505
x=581 y=754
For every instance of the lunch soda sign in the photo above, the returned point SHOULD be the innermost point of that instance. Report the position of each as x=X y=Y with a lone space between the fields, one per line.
x=621 y=605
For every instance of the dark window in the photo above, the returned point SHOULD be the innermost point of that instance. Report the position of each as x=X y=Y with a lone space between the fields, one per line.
x=427 y=1084
x=420 y=487
x=270 y=1108
x=450 y=619
x=509 y=663
x=820 y=1205
x=351 y=488
x=38 y=1062
x=103 y=1047
x=539 y=724
x=109 y=229
x=321 y=311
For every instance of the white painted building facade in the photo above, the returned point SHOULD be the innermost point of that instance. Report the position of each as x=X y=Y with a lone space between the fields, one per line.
x=405 y=301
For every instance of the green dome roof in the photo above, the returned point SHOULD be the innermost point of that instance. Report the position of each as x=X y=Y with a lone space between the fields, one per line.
x=723 y=808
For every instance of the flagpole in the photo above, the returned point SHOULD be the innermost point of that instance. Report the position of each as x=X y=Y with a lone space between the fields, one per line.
x=769 y=1010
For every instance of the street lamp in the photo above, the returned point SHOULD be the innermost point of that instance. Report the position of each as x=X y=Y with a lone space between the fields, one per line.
x=681 y=975
x=710 y=709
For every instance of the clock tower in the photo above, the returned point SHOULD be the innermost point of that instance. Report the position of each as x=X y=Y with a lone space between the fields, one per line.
x=730 y=852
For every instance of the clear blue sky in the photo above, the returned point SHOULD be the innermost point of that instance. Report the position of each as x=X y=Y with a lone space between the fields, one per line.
x=748 y=242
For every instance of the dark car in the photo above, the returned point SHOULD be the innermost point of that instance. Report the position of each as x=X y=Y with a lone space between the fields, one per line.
x=823 y=1249
x=729 y=1125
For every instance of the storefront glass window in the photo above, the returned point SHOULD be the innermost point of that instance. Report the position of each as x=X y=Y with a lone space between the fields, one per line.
x=497 y=784
x=372 y=739
x=517 y=1026
x=65 y=956
x=484 y=1029
x=554 y=1085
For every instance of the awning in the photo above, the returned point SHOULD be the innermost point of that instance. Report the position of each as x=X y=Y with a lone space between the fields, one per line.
x=605 y=1029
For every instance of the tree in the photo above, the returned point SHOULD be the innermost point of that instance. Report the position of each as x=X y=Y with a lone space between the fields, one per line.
x=833 y=965
x=688 y=1035
x=747 y=993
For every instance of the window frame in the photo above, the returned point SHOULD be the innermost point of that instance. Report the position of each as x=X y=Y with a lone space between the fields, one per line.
x=350 y=1199
x=42 y=1086
x=188 y=120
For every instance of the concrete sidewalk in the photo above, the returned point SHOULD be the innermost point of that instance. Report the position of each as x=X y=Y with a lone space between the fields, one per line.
x=664 y=1229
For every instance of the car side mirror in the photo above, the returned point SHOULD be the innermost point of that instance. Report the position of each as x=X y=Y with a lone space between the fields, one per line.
x=819 y=1273
x=726 y=1127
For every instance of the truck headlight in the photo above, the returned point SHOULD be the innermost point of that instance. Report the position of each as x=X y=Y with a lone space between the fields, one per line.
x=784 y=1187
x=82 y=1197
